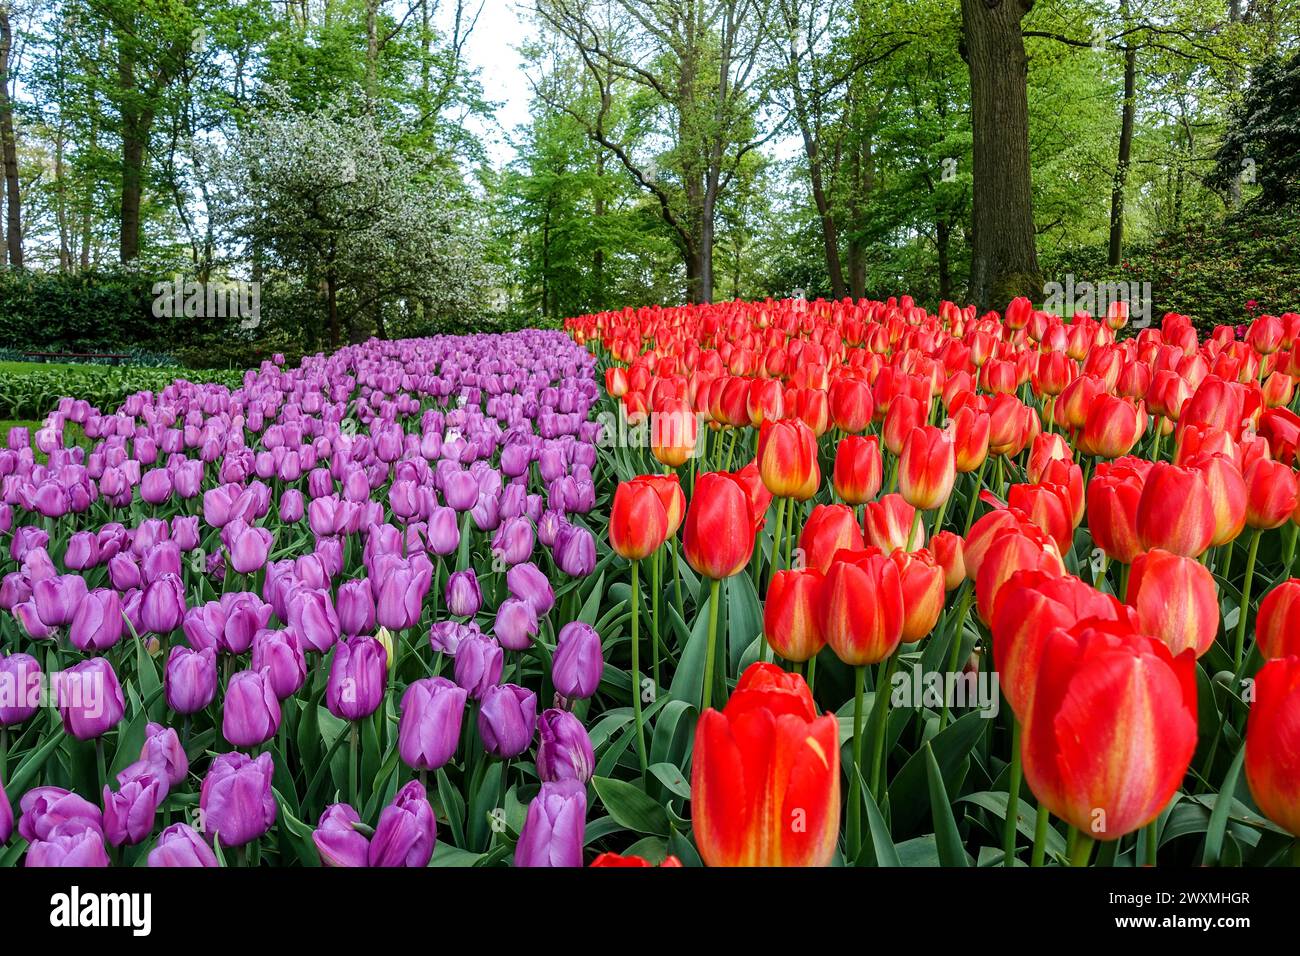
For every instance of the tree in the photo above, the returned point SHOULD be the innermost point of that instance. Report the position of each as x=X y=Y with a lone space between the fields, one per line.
x=695 y=62
x=1004 y=258
x=1263 y=143
x=337 y=207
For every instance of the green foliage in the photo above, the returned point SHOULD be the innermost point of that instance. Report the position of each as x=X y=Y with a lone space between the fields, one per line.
x=1264 y=142
x=31 y=392
x=1211 y=272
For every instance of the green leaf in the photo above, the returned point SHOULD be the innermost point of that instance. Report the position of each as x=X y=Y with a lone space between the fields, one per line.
x=1219 y=815
x=907 y=791
x=631 y=806
x=947 y=839
x=672 y=779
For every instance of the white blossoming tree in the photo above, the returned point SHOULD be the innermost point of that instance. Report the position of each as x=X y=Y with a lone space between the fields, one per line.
x=333 y=213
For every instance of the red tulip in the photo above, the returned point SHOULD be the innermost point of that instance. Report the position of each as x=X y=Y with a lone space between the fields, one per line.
x=1023 y=549
x=888 y=522
x=948 y=548
x=671 y=496
x=851 y=404
x=1227 y=495
x=1113 y=427
x=1176 y=600
x=922 y=583
x=638 y=523
x=857 y=469
x=719 y=535
x=828 y=530
x=862 y=608
x=1277 y=626
x=1175 y=512
x=1273 y=742
x=1112 y=729
x=927 y=468
x=792 y=614
x=759 y=497
x=1270 y=494
x=1029 y=605
x=765 y=778
x=787 y=459
x=674 y=431
x=1113 y=495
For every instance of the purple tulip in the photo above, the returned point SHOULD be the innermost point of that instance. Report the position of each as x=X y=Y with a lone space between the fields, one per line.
x=443 y=532
x=236 y=799
x=244 y=615
x=479 y=661
x=20 y=688
x=162 y=607
x=445 y=636
x=129 y=813
x=513 y=541
x=462 y=595
x=400 y=596
x=338 y=841
x=46 y=808
x=155 y=486
x=407 y=830
x=356 y=607
x=578 y=661
x=15 y=589
x=98 y=622
x=248 y=546
x=190 y=679
x=82 y=552
x=58 y=598
x=563 y=747
x=90 y=699
x=69 y=845
x=291 y=506
x=250 y=713
x=313 y=619
x=516 y=624
x=162 y=748
x=358 y=677
x=180 y=846
x=506 y=718
x=281 y=656
x=527 y=583
x=429 y=730
x=574 y=551
x=555 y=828
x=185 y=532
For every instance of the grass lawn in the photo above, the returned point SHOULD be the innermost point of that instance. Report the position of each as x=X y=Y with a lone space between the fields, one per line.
x=24 y=368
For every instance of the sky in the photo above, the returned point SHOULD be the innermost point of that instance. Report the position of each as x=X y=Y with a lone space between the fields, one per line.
x=493 y=48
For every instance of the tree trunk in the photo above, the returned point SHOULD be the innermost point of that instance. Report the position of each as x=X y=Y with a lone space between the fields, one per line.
x=830 y=241
x=136 y=123
x=13 y=215
x=1004 y=258
x=1125 y=154
x=332 y=306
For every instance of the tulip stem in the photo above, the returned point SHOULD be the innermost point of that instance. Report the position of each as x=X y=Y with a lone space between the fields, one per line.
x=100 y=761
x=655 y=587
x=855 y=784
x=677 y=581
x=1239 y=645
x=1152 y=842
x=776 y=541
x=1082 y=849
x=916 y=526
x=812 y=674
x=975 y=495
x=707 y=690
x=938 y=518
x=4 y=754
x=1013 y=799
x=881 y=710
x=354 y=769
x=1041 y=822
x=636 y=668
x=954 y=653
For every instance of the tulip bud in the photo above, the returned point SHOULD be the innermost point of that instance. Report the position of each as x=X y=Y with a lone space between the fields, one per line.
x=563 y=748
x=1176 y=600
x=638 y=523
x=506 y=717
x=407 y=831
x=250 y=713
x=358 y=676
x=462 y=593
x=90 y=699
x=190 y=679
x=927 y=469
x=180 y=846
x=719 y=531
x=578 y=662
x=236 y=799
x=792 y=614
x=1277 y=627
x=553 y=833
x=429 y=729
